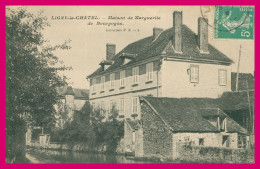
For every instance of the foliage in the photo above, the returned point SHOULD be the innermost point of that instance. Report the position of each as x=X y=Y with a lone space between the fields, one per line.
x=31 y=70
x=92 y=127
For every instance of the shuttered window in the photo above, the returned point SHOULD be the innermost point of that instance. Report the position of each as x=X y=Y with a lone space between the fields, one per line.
x=94 y=85
x=149 y=71
x=112 y=81
x=111 y=105
x=102 y=83
x=222 y=77
x=135 y=75
x=135 y=105
x=122 y=106
x=122 y=78
x=194 y=74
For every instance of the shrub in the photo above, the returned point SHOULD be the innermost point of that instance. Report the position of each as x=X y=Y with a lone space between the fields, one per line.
x=93 y=128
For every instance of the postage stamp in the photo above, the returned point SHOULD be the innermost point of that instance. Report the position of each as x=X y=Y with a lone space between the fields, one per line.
x=234 y=22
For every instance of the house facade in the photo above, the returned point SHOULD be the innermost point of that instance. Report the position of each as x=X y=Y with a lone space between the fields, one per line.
x=174 y=62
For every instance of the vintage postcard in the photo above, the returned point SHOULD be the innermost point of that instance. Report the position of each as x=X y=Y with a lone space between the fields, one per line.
x=130 y=84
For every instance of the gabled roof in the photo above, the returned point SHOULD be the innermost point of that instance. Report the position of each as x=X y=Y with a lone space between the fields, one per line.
x=243 y=79
x=147 y=48
x=78 y=93
x=184 y=114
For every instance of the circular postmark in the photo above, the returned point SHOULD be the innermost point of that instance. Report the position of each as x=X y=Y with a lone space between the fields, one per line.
x=226 y=18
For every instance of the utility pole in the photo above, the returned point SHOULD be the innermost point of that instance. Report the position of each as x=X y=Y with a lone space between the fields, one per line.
x=238 y=65
x=251 y=116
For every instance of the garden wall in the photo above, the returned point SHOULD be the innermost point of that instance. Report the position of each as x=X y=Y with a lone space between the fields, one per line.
x=202 y=154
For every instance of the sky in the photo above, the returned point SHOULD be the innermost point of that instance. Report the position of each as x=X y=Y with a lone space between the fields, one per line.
x=88 y=42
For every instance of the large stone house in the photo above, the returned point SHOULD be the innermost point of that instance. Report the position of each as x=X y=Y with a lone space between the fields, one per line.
x=167 y=123
x=175 y=62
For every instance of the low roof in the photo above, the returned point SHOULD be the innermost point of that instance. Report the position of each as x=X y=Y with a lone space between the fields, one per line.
x=184 y=114
x=78 y=93
x=147 y=48
x=232 y=101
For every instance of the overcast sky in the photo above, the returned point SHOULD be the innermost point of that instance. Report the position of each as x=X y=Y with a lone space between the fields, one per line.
x=88 y=42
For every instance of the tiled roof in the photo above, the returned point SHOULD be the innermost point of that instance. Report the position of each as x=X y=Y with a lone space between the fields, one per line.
x=147 y=48
x=231 y=101
x=242 y=78
x=214 y=112
x=185 y=114
x=78 y=93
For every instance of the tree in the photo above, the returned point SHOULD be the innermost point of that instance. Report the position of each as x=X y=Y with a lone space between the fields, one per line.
x=31 y=72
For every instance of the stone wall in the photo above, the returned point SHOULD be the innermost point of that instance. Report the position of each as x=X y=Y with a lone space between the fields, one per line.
x=157 y=138
x=210 y=140
x=128 y=138
x=214 y=154
x=139 y=149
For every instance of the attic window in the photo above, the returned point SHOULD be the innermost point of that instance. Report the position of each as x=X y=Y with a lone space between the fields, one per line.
x=127 y=57
x=105 y=64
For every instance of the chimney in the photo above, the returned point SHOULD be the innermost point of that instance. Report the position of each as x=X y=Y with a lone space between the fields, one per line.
x=177 y=36
x=156 y=32
x=203 y=34
x=111 y=51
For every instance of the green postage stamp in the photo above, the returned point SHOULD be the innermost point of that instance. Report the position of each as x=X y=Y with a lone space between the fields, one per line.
x=234 y=22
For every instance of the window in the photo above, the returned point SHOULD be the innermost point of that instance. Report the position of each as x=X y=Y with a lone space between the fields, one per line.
x=122 y=106
x=102 y=83
x=112 y=81
x=201 y=141
x=222 y=77
x=94 y=86
x=149 y=71
x=102 y=106
x=122 y=78
x=135 y=105
x=111 y=105
x=242 y=142
x=194 y=74
x=225 y=141
x=135 y=75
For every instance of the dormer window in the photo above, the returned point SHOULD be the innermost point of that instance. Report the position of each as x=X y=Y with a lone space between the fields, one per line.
x=105 y=64
x=216 y=117
x=127 y=57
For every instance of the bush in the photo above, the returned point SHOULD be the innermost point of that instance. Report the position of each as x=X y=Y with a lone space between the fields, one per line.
x=93 y=128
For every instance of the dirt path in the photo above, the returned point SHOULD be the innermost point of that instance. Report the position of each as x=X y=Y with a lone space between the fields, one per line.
x=32 y=159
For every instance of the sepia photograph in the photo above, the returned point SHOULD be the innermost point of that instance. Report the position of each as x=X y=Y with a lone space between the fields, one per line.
x=130 y=84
